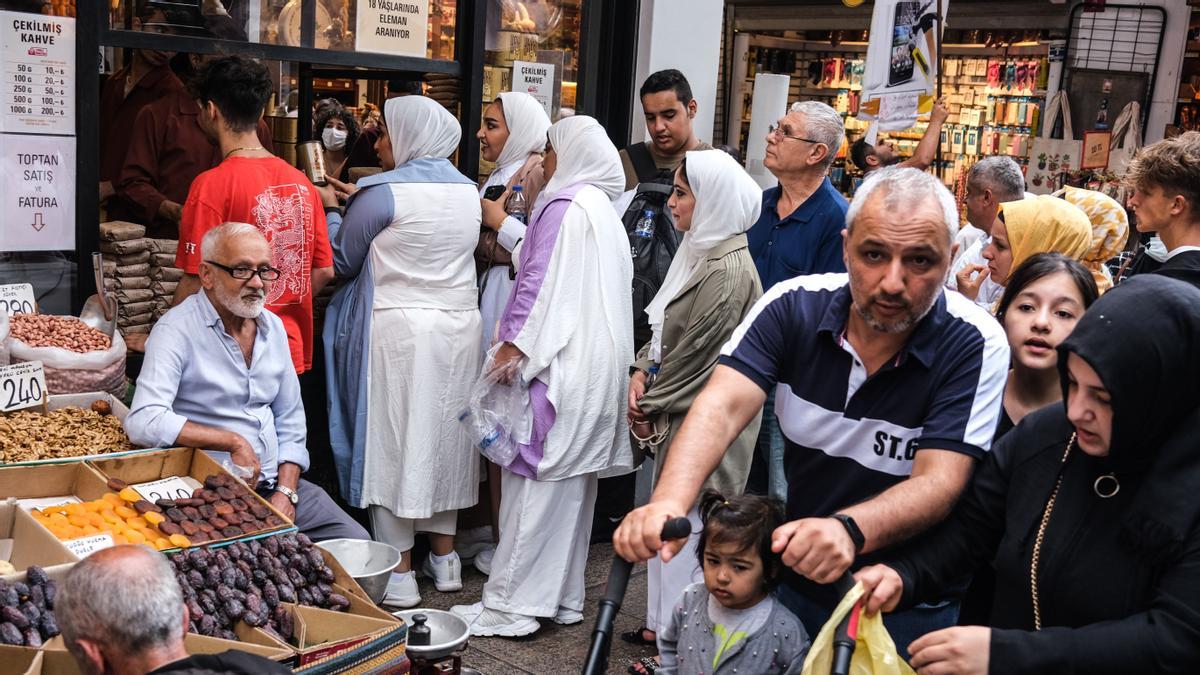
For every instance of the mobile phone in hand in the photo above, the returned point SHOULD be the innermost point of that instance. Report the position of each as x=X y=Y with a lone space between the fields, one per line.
x=494 y=192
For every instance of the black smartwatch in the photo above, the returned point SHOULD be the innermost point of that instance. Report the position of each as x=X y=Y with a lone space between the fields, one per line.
x=856 y=534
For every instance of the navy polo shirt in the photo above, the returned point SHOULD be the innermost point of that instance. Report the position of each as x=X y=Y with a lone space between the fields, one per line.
x=849 y=436
x=807 y=241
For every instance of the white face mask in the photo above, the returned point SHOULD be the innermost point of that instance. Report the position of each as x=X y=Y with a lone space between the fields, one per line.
x=334 y=139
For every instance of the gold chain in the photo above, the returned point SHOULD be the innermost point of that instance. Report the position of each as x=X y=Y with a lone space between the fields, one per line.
x=1041 y=534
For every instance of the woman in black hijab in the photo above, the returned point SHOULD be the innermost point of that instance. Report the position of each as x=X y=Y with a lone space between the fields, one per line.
x=1089 y=510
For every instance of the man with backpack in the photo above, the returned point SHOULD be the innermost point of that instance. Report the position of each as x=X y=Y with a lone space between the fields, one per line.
x=649 y=173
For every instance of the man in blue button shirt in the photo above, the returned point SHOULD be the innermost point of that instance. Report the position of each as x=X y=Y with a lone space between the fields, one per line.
x=799 y=232
x=218 y=375
x=888 y=389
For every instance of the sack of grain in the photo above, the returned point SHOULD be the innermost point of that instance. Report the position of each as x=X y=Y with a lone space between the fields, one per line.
x=134 y=295
x=125 y=247
x=164 y=246
x=166 y=274
x=73 y=372
x=162 y=259
x=127 y=283
x=164 y=289
x=139 y=270
x=133 y=258
x=137 y=319
x=118 y=230
x=144 y=307
x=140 y=328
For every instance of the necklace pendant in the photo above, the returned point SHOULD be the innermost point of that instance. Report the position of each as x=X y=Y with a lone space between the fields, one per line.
x=1106 y=486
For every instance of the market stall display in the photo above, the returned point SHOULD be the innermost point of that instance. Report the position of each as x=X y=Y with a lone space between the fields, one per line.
x=76 y=358
x=71 y=431
x=27 y=609
x=252 y=581
x=127 y=254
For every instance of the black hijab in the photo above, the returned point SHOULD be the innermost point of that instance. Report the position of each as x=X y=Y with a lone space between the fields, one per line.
x=1143 y=340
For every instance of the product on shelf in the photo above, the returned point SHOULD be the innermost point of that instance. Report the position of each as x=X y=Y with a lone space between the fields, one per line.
x=27 y=609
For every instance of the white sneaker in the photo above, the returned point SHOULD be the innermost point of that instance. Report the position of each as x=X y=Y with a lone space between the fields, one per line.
x=402 y=591
x=446 y=574
x=469 y=543
x=483 y=560
x=491 y=622
x=567 y=617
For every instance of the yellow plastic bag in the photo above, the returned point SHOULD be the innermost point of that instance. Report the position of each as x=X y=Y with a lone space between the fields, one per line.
x=874 y=652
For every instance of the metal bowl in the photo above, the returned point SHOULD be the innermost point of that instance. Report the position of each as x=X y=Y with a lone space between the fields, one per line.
x=447 y=632
x=369 y=562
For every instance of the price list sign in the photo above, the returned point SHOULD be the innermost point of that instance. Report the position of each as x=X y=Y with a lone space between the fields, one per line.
x=38 y=87
x=22 y=385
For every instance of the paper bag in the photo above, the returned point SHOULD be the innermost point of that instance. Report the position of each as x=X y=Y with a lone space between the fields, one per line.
x=1051 y=159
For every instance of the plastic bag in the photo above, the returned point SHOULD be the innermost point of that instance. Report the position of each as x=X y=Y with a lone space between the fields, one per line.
x=69 y=372
x=874 y=651
x=498 y=417
x=3 y=339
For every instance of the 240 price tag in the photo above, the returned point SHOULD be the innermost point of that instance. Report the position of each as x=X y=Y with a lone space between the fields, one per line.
x=17 y=299
x=22 y=385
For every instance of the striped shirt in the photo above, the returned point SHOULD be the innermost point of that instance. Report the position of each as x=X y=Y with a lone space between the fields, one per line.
x=849 y=436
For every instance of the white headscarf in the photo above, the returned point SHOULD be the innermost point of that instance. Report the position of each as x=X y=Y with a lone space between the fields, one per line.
x=420 y=127
x=728 y=202
x=527 y=123
x=585 y=155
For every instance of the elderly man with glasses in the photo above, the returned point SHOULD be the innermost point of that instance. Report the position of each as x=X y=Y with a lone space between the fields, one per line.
x=799 y=232
x=218 y=375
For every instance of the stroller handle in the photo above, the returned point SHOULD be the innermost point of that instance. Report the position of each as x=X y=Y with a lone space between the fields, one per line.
x=614 y=595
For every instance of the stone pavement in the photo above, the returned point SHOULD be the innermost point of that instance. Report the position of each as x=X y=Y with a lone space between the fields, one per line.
x=554 y=648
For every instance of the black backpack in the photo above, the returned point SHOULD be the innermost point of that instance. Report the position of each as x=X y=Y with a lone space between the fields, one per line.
x=651 y=257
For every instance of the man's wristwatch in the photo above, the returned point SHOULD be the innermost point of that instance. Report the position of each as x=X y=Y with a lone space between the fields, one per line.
x=292 y=496
x=856 y=534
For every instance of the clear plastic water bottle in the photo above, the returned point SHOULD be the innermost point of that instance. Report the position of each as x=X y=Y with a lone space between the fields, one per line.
x=517 y=207
x=645 y=226
x=489 y=436
x=651 y=376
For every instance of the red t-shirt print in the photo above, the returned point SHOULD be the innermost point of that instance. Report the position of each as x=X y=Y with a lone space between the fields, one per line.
x=269 y=193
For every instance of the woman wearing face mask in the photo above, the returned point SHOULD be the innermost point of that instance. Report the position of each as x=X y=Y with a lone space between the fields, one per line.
x=401 y=342
x=1041 y=224
x=1088 y=510
x=339 y=131
x=706 y=293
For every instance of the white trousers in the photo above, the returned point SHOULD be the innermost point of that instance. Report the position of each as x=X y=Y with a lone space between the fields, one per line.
x=401 y=532
x=665 y=582
x=542 y=555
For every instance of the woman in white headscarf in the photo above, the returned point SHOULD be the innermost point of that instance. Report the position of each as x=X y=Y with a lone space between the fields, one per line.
x=709 y=288
x=567 y=333
x=401 y=342
x=512 y=135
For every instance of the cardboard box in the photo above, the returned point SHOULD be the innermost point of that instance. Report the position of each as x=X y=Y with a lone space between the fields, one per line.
x=20 y=661
x=149 y=466
x=23 y=542
x=58 y=660
x=321 y=633
x=58 y=401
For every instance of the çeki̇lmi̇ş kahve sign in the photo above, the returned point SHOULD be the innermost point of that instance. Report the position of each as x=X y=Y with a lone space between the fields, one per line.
x=37 y=146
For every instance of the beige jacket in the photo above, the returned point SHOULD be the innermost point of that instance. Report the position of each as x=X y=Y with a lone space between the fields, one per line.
x=696 y=325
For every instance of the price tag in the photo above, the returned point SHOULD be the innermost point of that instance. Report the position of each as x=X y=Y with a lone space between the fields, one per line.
x=165 y=488
x=22 y=385
x=85 y=546
x=17 y=299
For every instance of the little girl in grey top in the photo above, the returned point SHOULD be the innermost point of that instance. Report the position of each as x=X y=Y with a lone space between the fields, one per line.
x=731 y=623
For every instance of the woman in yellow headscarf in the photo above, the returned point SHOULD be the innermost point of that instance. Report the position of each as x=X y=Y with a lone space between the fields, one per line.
x=1110 y=230
x=1024 y=227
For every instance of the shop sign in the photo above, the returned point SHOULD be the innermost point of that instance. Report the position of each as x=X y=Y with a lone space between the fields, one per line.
x=392 y=27
x=537 y=80
x=39 y=74
x=17 y=299
x=22 y=385
x=901 y=68
x=37 y=193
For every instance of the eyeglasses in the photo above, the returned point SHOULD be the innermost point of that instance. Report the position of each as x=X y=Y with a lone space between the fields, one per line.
x=266 y=272
x=776 y=130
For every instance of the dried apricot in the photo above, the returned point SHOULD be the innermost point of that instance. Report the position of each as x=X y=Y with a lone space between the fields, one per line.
x=113 y=498
x=77 y=519
x=130 y=495
x=162 y=544
x=180 y=541
x=137 y=522
x=135 y=536
x=153 y=518
x=125 y=512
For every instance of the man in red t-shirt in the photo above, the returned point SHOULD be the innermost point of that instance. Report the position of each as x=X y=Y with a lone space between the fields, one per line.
x=251 y=185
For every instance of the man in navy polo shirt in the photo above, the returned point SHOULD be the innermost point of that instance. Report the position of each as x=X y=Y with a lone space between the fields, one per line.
x=888 y=391
x=798 y=232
